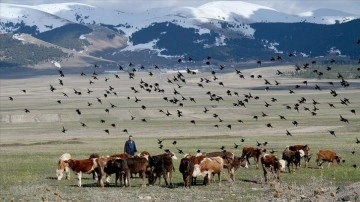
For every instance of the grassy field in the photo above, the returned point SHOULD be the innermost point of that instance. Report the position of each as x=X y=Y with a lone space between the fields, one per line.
x=31 y=143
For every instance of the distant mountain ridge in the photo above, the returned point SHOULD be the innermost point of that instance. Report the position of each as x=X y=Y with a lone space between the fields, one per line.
x=227 y=30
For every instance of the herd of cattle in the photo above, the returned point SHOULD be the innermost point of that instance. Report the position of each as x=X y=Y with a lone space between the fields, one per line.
x=155 y=167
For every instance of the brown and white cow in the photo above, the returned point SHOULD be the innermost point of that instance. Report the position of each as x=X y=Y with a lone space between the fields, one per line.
x=292 y=158
x=92 y=156
x=85 y=166
x=272 y=163
x=231 y=162
x=327 y=155
x=306 y=150
x=254 y=152
x=63 y=167
x=209 y=166
x=186 y=168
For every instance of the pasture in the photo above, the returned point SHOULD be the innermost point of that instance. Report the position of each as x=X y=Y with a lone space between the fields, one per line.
x=236 y=108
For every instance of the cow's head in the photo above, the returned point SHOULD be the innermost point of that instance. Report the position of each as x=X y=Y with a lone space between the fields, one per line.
x=339 y=159
x=63 y=166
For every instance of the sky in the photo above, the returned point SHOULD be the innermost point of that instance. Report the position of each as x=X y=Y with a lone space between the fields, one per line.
x=287 y=6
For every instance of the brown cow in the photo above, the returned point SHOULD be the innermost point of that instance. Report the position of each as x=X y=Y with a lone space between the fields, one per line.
x=270 y=161
x=121 y=170
x=327 y=155
x=138 y=165
x=85 y=166
x=209 y=166
x=186 y=168
x=291 y=157
x=63 y=167
x=161 y=165
x=254 y=152
x=306 y=150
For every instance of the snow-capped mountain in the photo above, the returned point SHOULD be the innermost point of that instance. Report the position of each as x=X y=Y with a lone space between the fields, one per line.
x=210 y=28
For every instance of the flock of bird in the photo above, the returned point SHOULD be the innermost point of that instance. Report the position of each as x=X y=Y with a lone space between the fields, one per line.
x=169 y=90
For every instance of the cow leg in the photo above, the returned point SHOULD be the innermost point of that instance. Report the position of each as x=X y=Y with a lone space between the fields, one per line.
x=257 y=162
x=100 y=176
x=127 y=178
x=143 y=184
x=265 y=173
x=67 y=173
x=79 y=178
x=117 y=176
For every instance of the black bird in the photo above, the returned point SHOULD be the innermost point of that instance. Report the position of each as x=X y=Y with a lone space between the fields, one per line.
x=64 y=129
x=113 y=125
x=229 y=126
x=107 y=131
x=193 y=122
x=198 y=151
x=288 y=133
x=174 y=142
x=205 y=110
x=357 y=141
x=235 y=145
x=99 y=100
x=258 y=143
x=354 y=166
x=222 y=147
x=65 y=95
x=23 y=90
x=332 y=133
x=282 y=117
x=272 y=151
x=143 y=107
x=161 y=146
x=242 y=140
x=180 y=151
x=353 y=151
x=11 y=98
x=343 y=119
x=27 y=111
x=83 y=124
x=269 y=125
x=125 y=131
x=107 y=110
x=78 y=111
x=102 y=121
x=295 y=123
x=89 y=104
x=143 y=120
x=58 y=101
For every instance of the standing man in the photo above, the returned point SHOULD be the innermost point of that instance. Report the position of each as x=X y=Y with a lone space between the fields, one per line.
x=130 y=146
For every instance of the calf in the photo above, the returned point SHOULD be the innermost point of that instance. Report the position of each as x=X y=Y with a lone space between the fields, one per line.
x=291 y=157
x=327 y=155
x=231 y=163
x=121 y=170
x=85 y=166
x=305 y=149
x=254 y=152
x=138 y=165
x=63 y=167
x=207 y=167
x=161 y=165
x=186 y=168
x=270 y=161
